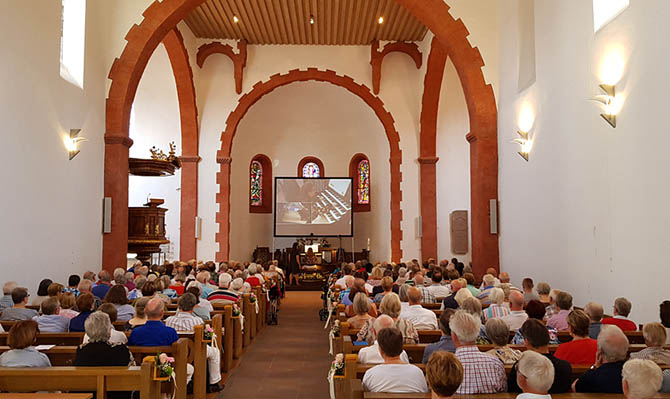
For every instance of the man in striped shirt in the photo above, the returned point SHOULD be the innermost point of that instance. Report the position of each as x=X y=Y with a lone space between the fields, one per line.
x=224 y=295
x=185 y=321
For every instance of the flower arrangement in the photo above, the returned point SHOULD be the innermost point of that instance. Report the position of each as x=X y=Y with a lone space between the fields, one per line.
x=164 y=367
x=337 y=367
x=252 y=298
x=236 y=310
x=335 y=330
x=208 y=333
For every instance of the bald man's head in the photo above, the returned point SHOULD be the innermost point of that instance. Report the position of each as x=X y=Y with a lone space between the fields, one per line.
x=382 y=322
x=456 y=285
x=491 y=271
x=515 y=300
x=154 y=309
x=418 y=279
x=414 y=296
x=503 y=277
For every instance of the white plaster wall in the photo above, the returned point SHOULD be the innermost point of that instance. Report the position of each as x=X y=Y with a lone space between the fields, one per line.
x=592 y=200
x=51 y=208
x=318 y=119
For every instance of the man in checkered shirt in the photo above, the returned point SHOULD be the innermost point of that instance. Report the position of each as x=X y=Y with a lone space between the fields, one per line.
x=185 y=321
x=482 y=373
x=427 y=296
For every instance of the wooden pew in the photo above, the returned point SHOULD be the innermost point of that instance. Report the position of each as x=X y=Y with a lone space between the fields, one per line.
x=94 y=379
x=63 y=339
x=425 y=336
x=246 y=311
x=374 y=395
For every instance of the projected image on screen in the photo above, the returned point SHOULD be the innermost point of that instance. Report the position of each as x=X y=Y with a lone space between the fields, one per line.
x=313 y=206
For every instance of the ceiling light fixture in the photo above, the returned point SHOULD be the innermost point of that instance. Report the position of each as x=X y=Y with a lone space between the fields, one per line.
x=235 y=19
x=381 y=20
x=311 y=19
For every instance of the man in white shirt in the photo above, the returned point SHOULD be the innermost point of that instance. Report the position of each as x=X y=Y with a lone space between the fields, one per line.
x=517 y=315
x=423 y=319
x=347 y=270
x=370 y=354
x=437 y=289
x=394 y=376
x=535 y=375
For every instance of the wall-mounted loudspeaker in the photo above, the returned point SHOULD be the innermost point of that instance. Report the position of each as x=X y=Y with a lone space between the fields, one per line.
x=493 y=205
x=107 y=215
x=198 y=227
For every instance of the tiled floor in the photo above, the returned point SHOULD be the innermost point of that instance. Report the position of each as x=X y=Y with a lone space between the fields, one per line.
x=289 y=360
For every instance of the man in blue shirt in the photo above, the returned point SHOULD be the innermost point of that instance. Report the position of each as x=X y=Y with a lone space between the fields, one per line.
x=445 y=343
x=154 y=332
x=104 y=284
x=51 y=321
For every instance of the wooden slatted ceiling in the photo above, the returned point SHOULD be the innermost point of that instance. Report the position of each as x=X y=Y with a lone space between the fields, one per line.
x=336 y=22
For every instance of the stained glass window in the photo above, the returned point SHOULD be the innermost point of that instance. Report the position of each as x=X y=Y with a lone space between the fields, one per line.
x=311 y=169
x=363 y=181
x=256 y=184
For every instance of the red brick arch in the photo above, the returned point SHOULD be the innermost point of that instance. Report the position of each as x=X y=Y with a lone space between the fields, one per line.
x=162 y=16
x=259 y=90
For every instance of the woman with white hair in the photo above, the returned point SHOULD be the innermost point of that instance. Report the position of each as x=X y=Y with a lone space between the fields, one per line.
x=654 y=337
x=642 y=379
x=496 y=309
x=461 y=295
x=98 y=351
x=253 y=280
x=535 y=375
x=390 y=306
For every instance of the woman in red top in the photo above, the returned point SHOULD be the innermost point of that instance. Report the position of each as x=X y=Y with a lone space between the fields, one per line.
x=582 y=349
x=178 y=285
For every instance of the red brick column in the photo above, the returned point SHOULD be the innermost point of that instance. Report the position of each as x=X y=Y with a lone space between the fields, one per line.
x=115 y=244
x=189 y=208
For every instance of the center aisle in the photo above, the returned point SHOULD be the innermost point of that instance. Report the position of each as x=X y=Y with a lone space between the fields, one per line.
x=289 y=360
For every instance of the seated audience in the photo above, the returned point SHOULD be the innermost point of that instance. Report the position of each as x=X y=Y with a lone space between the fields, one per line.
x=223 y=295
x=386 y=286
x=137 y=291
x=116 y=337
x=474 y=307
x=483 y=373
x=163 y=289
x=505 y=279
x=536 y=338
x=528 y=295
x=582 y=349
x=86 y=286
x=100 y=352
x=543 y=290
x=488 y=282
x=370 y=354
x=390 y=306
x=361 y=309
x=19 y=310
x=185 y=321
x=140 y=317
x=493 y=272
x=535 y=375
x=426 y=294
x=622 y=308
x=498 y=333
x=379 y=289
x=104 y=284
x=51 y=320
x=117 y=297
x=470 y=279
x=535 y=310
x=6 y=301
x=436 y=288
x=445 y=343
x=551 y=309
x=421 y=318
x=450 y=301
x=204 y=307
x=560 y=320
x=67 y=303
x=375 y=278
x=462 y=295
x=22 y=353
x=496 y=309
x=55 y=290
x=595 y=313
x=85 y=306
x=654 y=337
x=444 y=373
x=641 y=379
x=153 y=332
x=394 y=375
x=611 y=354
x=347 y=270
x=42 y=292
x=178 y=285
x=252 y=279
x=665 y=319
x=517 y=316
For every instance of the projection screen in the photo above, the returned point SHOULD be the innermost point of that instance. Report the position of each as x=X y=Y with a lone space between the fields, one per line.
x=315 y=206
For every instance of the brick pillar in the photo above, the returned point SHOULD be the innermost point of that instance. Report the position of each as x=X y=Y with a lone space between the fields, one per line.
x=189 y=207
x=428 y=189
x=115 y=244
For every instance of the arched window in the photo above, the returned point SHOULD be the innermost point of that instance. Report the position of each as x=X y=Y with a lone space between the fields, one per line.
x=359 y=171
x=260 y=184
x=311 y=167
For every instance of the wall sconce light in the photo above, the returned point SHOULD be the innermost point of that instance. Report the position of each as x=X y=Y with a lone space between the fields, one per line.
x=526 y=121
x=609 y=101
x=72 y=142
